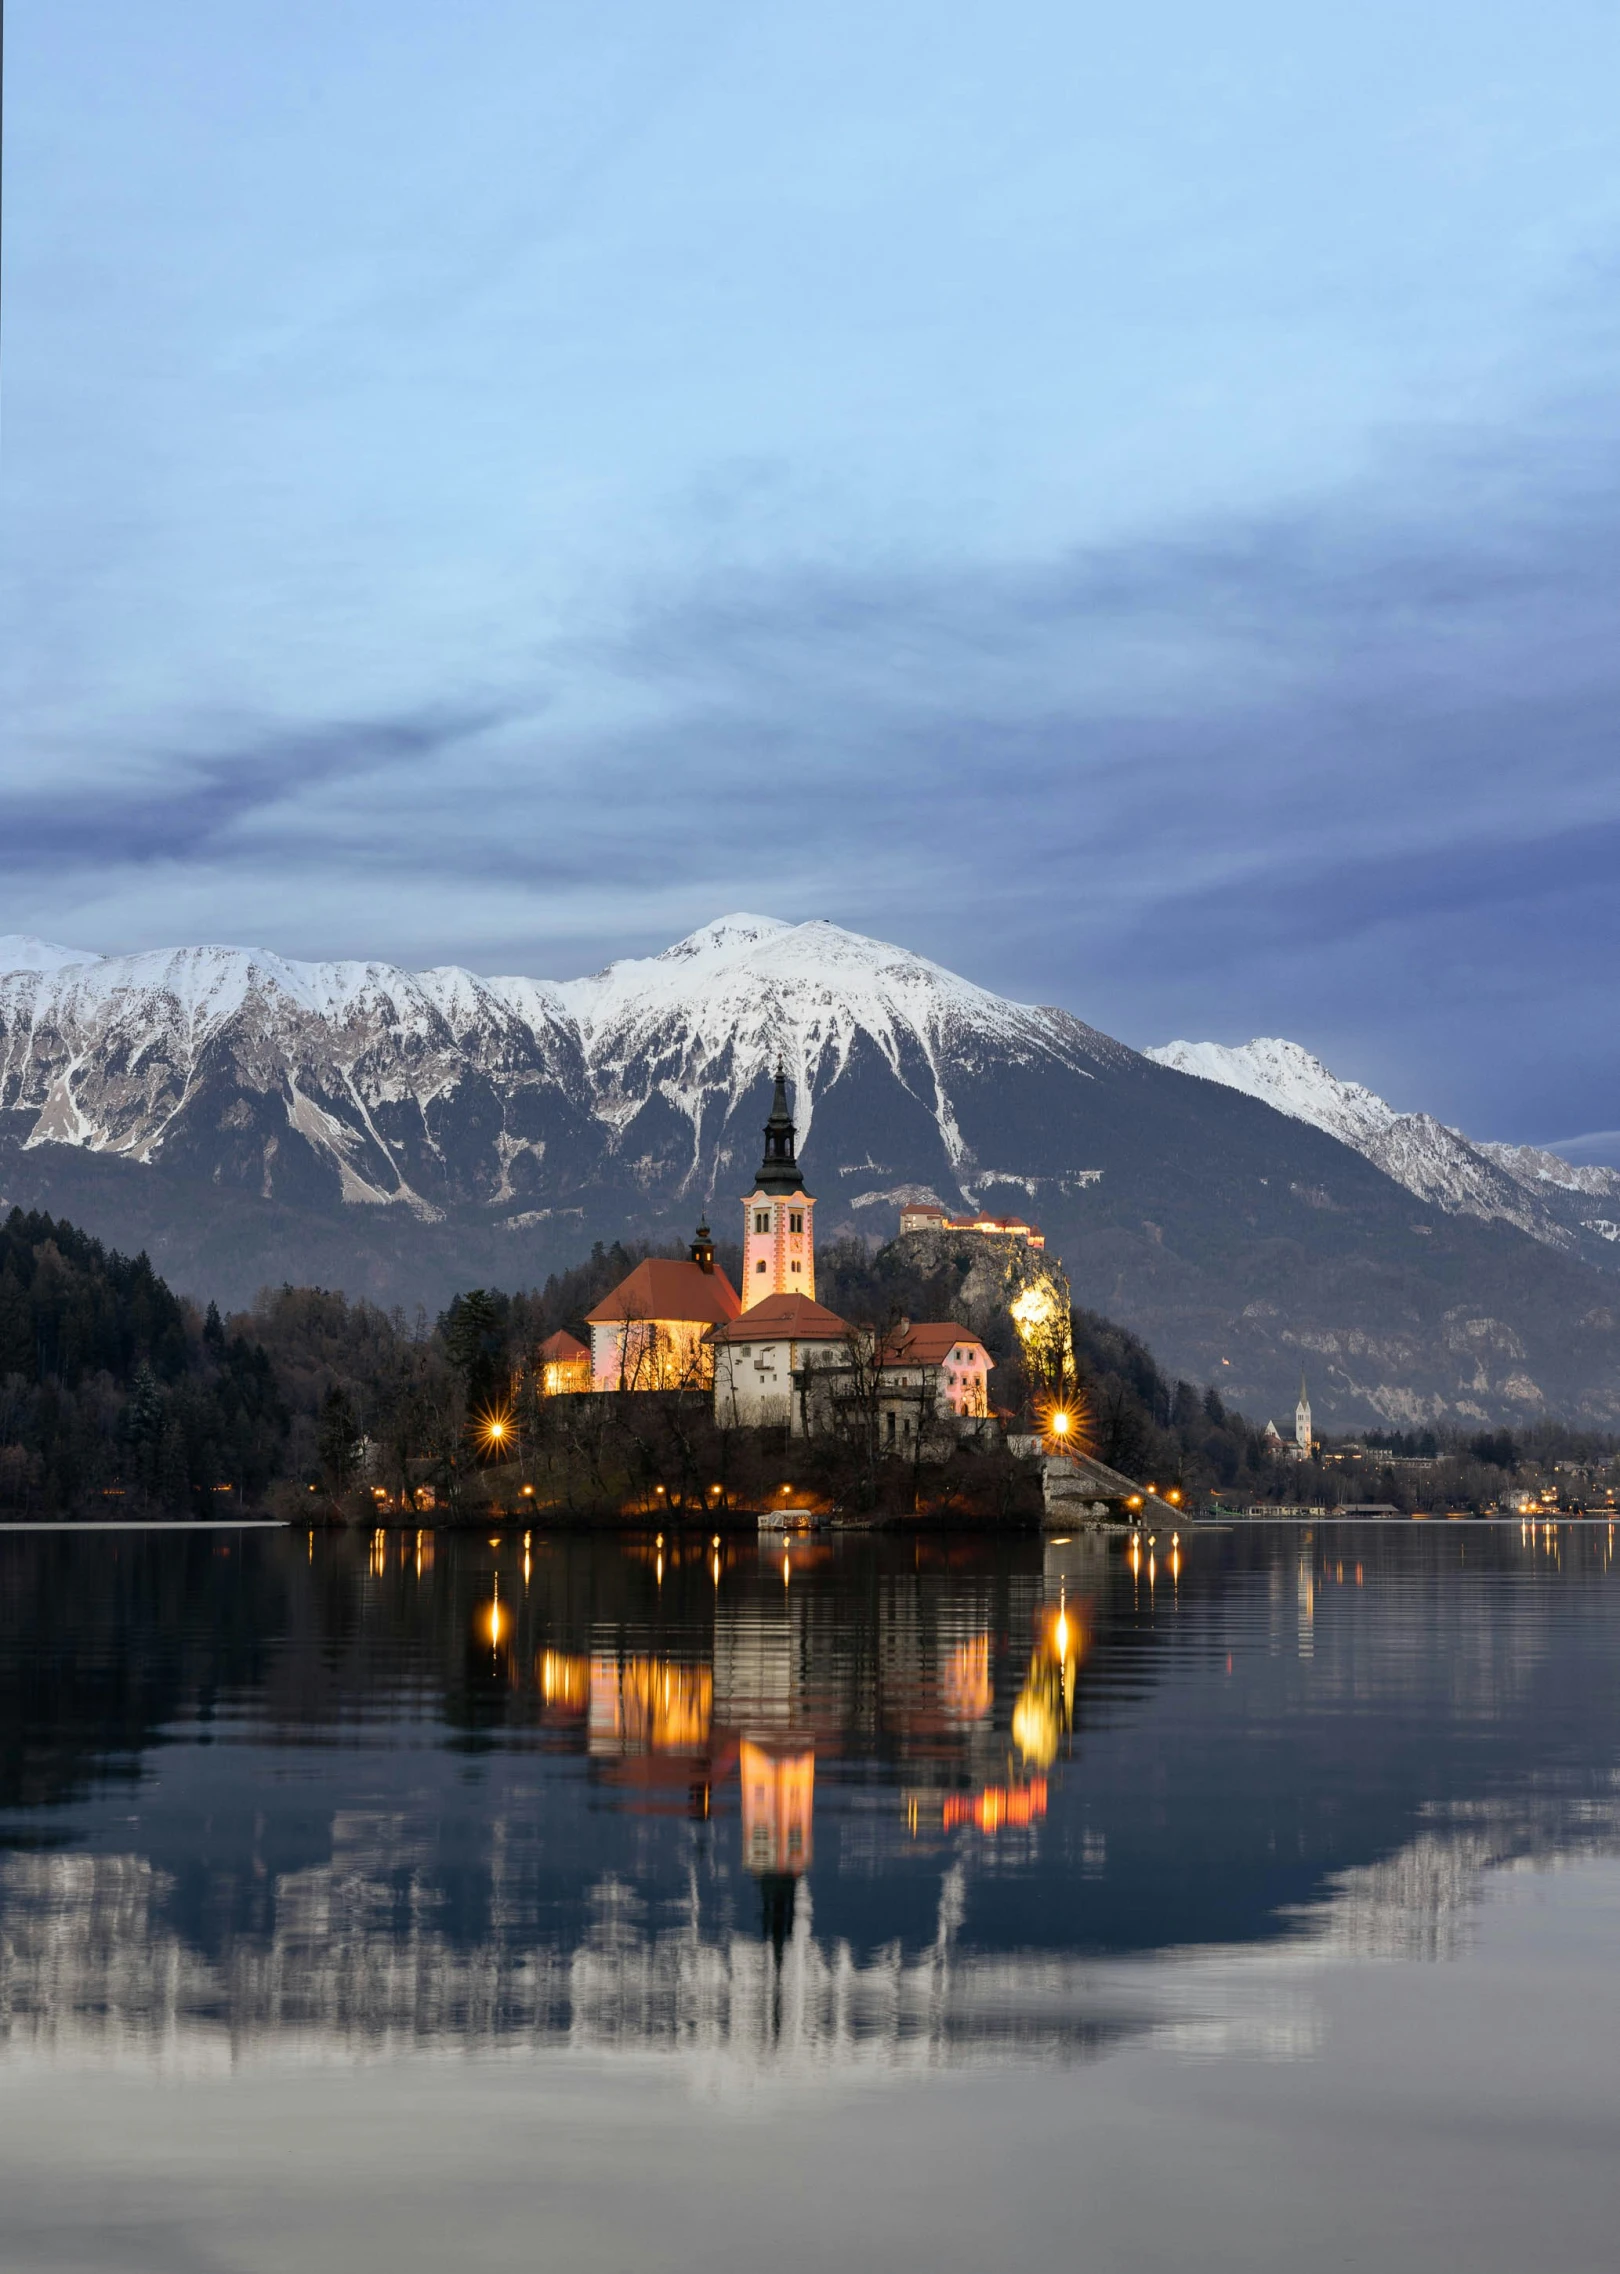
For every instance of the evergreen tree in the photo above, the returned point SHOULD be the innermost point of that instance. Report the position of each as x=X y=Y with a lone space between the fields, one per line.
x=337 y=1440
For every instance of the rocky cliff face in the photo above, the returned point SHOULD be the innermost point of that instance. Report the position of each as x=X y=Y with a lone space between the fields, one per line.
x=249 y=1119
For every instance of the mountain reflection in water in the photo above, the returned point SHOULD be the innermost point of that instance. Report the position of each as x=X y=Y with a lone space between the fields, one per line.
x=882 y=1803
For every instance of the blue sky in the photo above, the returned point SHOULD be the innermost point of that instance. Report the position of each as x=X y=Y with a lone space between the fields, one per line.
x=1125 y=501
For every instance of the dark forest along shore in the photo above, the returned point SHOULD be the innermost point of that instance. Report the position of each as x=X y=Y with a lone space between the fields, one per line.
x=1045 y=1872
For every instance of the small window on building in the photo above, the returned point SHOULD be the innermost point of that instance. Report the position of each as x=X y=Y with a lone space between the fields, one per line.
x=796 y=1264
x=891 y=1429
x=796 y=1220
x=762 y=1220
x=760 y=1265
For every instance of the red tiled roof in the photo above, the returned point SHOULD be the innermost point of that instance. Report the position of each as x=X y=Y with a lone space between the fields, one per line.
x=664 y=1288
x=927 y=1343
x=561 y=1349
x=784 y=1318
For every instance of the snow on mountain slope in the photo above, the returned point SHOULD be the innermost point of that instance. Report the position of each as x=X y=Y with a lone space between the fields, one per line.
x=21 y=951
x=1532 y=1165
x=424 y=1087
x=704 y=1022
x=220 y=1055
x=363 y=1082
x=1285 y=1075
x=1439 y=1164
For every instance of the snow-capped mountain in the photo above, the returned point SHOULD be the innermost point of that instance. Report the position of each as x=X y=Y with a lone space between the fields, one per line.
x=250 y=1118
x=1551 y=1199
x=439 y=1088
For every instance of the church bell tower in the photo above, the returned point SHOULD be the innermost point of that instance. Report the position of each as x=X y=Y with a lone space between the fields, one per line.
x=779 y=1246
x=1302 y=1422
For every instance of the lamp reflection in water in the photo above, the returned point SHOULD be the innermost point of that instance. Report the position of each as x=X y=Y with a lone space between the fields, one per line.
x=1044 y=1712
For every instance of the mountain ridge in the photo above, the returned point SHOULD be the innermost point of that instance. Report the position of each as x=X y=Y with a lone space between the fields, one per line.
x=1524 y=1185
x=252 y=1118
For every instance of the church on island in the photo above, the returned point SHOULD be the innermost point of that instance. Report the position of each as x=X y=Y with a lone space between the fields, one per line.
x=769 y=1353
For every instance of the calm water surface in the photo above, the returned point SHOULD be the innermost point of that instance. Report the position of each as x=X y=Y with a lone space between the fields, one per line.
x=432 y=1901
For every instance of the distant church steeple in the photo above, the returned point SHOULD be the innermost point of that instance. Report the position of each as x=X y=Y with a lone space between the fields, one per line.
x=779 y=1249
x=1302 y=1420
x=780 y=1171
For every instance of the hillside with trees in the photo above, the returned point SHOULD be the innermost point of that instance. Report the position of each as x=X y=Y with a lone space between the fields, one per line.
x=113 y=1391
x=118 y=1397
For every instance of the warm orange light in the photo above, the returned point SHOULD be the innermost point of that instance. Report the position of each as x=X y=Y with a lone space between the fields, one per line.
x=565 y=1681
x=1064 y=1424
x=997 y=1806
x=967 y=1693
x=493 y=1429
x=642 y=1705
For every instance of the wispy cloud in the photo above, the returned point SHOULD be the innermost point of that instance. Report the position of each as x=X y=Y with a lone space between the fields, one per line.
x=1347 y=772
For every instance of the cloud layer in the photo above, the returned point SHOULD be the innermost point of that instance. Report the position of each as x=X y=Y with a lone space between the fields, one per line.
x=1130 y=512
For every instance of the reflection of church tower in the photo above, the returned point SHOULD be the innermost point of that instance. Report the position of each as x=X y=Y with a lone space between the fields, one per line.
x=1302 y=1421
x=778 y=1803
x=779 y=1247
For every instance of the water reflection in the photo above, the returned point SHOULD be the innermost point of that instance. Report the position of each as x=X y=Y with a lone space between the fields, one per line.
x=912 y=1803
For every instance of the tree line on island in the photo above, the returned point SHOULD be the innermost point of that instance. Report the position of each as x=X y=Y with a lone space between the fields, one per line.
x=118 y=1396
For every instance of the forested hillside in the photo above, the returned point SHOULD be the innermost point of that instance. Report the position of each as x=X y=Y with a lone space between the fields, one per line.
x=116 y=1397
x=114 y=1392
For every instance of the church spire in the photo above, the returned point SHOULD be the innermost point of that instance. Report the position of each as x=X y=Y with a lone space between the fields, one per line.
x=779 y=1171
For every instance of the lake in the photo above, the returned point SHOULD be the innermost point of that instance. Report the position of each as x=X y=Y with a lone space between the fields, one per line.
x=429 y=1900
